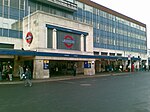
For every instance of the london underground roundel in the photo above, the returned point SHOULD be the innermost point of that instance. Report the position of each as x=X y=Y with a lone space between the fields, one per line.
x=29 y=38
x=68 y=41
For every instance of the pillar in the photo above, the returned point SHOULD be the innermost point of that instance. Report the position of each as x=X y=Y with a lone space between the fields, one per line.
x=54 y=39
x=39 y=72
x=82 y=42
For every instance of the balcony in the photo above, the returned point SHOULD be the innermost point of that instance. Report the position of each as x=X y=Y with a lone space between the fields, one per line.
x=63 y=4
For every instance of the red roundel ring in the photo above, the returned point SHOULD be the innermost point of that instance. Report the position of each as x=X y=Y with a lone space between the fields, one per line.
x=29 y=38
x=68 y=37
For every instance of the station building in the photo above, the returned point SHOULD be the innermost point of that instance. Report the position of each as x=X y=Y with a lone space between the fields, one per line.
x=52 y=36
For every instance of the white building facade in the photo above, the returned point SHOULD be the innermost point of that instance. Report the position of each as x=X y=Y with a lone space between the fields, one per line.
x=53 y=36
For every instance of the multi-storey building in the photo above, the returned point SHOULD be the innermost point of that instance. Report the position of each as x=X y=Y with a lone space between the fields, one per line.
x=51 y=36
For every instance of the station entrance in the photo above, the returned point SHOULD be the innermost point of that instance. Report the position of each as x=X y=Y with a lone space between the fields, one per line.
x=61 y=68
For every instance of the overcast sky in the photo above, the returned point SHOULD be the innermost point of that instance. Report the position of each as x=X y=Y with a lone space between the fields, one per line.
x=136 y=9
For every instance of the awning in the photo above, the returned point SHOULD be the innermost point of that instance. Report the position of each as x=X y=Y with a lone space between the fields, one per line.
x=79 y=56
x=35 y=53
x=17 y=52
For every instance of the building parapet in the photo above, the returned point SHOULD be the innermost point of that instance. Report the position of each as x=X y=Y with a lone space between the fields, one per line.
x=64 y=4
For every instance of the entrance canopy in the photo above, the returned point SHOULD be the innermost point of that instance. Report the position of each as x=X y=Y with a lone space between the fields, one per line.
x=34 y=53
x=79 y=56
x=16 y=52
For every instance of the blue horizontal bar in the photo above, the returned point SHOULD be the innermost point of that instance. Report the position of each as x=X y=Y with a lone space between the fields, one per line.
x=17 y=52
x=79 y=56
x=34 y=53
x=66 y=30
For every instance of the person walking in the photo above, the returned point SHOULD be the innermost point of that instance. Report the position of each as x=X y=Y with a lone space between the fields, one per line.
x=27 y=81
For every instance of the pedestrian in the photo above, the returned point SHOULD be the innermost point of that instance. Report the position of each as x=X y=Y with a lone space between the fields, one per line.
x=132 y=68
x=27 y=81
x=21 y=72
x=74 y=69
x=10 y=73
x=1 y=69
x=120 y=68
x=145 y=67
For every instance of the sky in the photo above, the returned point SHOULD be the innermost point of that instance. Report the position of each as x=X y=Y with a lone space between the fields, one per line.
x=136 y=9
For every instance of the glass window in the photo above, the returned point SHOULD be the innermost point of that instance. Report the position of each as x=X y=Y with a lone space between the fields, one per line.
x=5 y=33
x=22 y=3
x=14 y=13
x=79 y=4
x=1 y=2
x=32 y=6
x=14 y=3
x=97 y=40
x=70 y=0
x=39 y=6
x=113 y=17
x=6 y=11
x=104 y=14
x=88 y=8
x=1 y=10
x=6 y=2
x=97 y=11
x=45 y=8
x=104 y=53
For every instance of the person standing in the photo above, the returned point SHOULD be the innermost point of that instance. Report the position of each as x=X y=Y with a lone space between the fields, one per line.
x=1 y=69
x=10 y=73
x=74 y=69
x=27 y=81
x=132 y=67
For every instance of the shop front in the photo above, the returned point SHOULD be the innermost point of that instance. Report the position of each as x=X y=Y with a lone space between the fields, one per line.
x=110 y=63
x=12 y=59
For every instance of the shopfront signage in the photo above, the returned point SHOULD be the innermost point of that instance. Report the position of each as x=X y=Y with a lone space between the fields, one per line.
x=87 y=64
x=29 y=38
x=45 y=64
x=68 y=41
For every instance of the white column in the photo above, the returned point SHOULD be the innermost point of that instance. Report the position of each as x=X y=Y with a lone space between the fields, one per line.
x=54 y=46
x=82 y=42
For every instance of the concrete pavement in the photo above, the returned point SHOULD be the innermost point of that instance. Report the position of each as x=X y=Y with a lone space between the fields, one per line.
x=64 y=78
